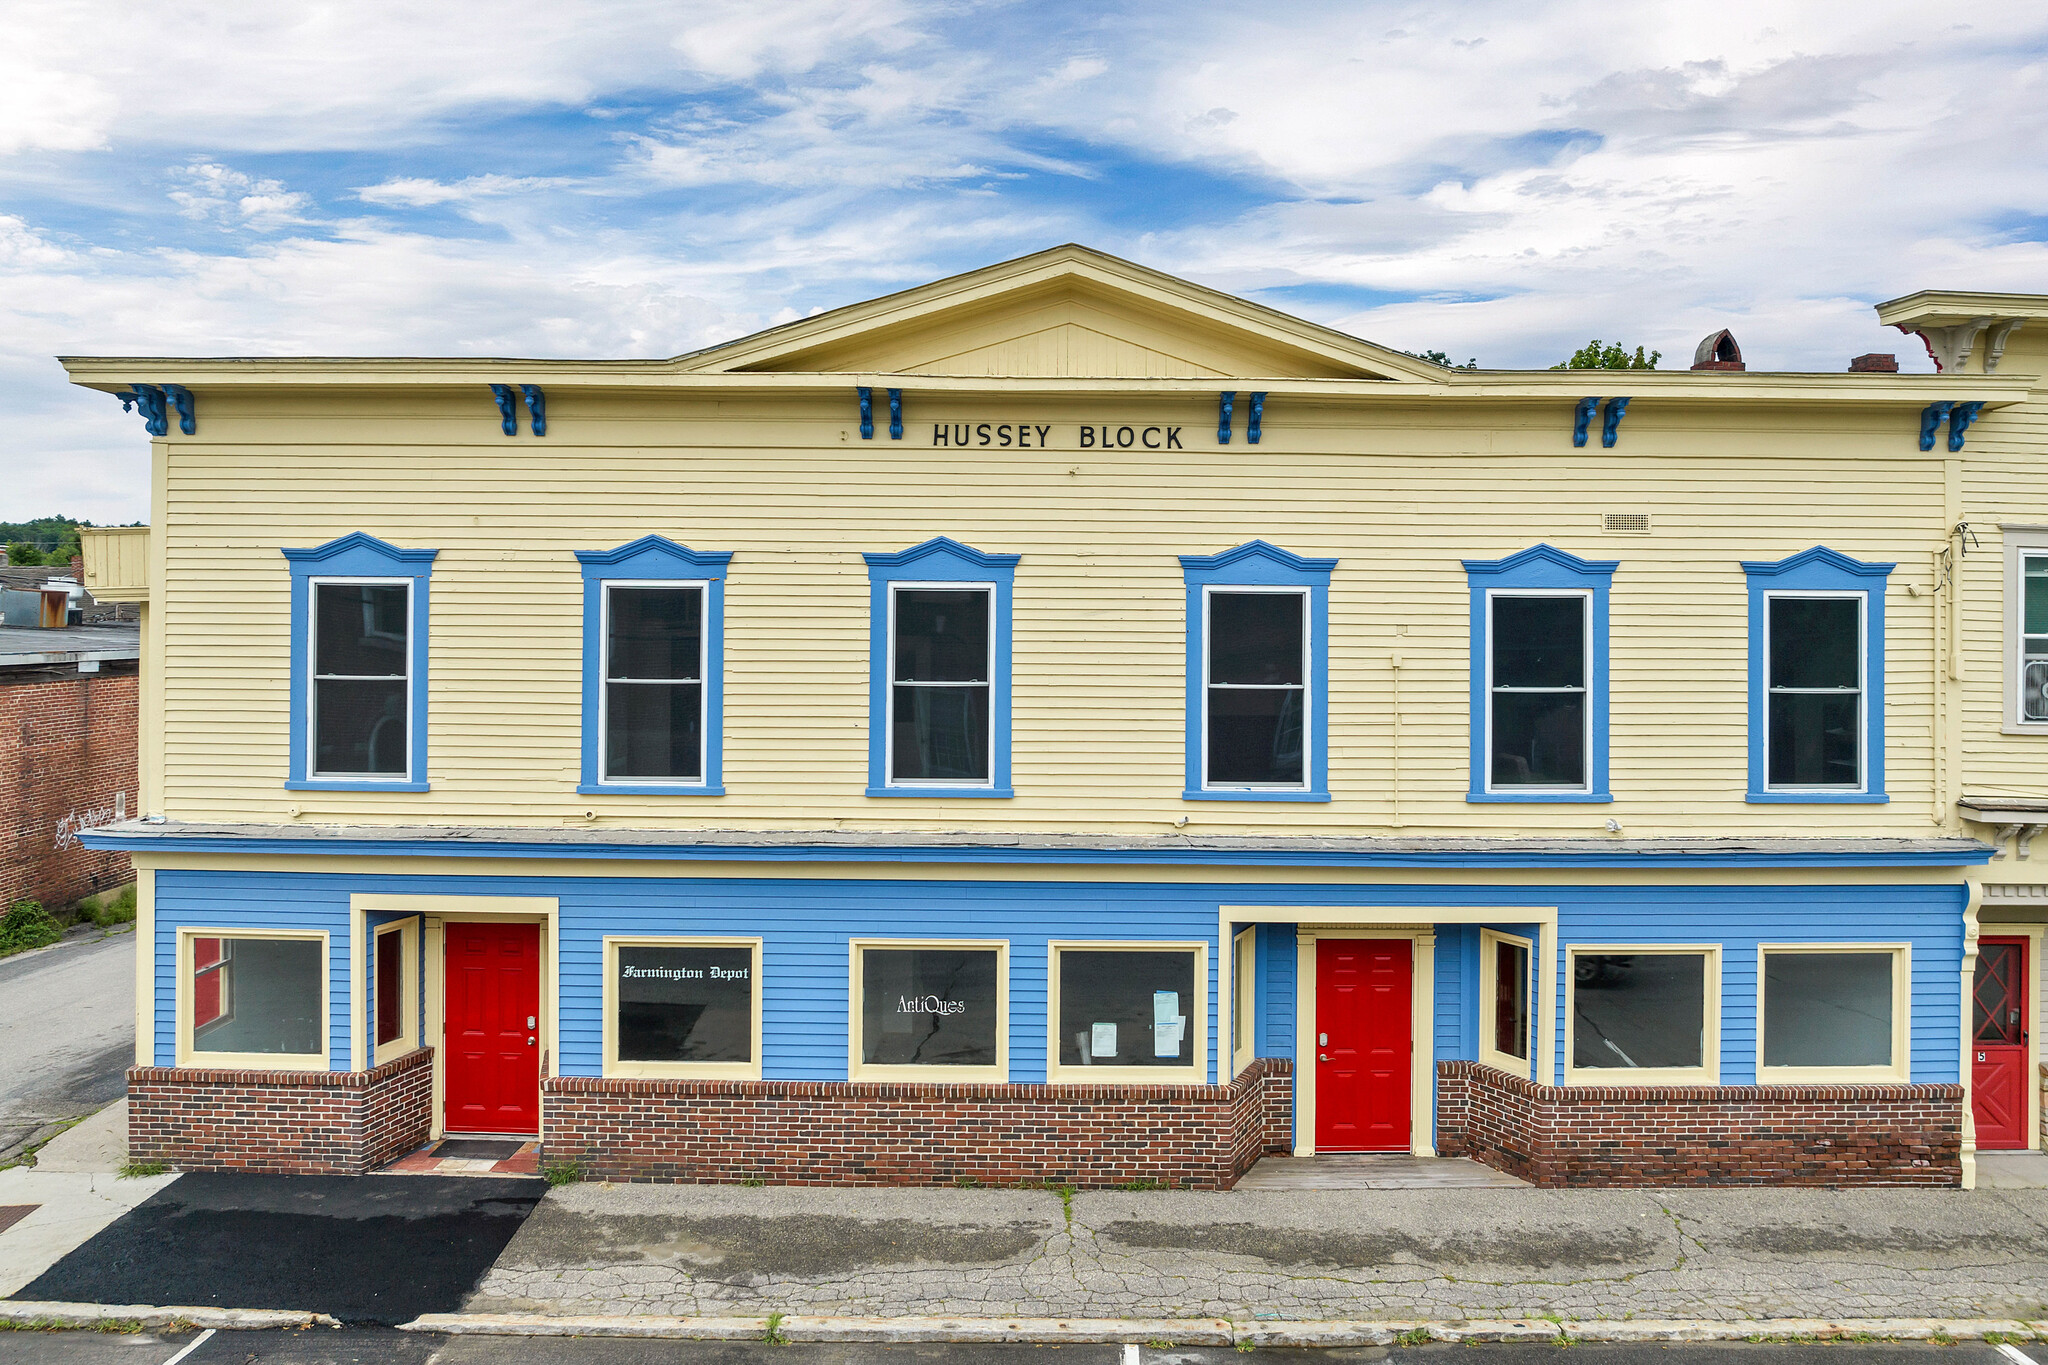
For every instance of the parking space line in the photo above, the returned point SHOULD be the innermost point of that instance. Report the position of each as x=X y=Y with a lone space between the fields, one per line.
x=2014 y=1354
x=200 y=1340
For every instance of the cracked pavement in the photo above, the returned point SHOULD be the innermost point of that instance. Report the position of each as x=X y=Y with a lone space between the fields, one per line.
x=712 y=1250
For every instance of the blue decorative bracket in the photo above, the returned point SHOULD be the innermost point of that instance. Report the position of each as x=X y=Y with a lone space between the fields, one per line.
x=895 y=414
x=1252 y=420
x=150 y=400
x=508 y=416
x=537 y=407
x=1225 y=403
x=181 y=401
x=1931 y=418
x=1610 y=421
x=867 y=411
x=1581 y=415
x=1959 y=419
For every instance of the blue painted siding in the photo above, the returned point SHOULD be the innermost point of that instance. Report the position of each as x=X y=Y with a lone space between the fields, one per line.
x=806 y=925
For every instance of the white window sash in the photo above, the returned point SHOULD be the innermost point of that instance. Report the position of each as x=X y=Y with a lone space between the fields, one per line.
x=604 y=680
x=1861 y=693
x=1585 y=689
x=1209 y=590
x=887 y=719
x=314 y=678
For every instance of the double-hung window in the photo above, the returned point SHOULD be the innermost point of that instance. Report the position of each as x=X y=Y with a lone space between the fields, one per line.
x=1816 y=678
x=653 y=669
x=2026 y=629
x=941 y=684
x=362 y=684
x=1538 y=725
x=653 y=698
x=1814 y=693
x=939 y=659
x=1258 y=675
x=359 y=666
x=1539 y=676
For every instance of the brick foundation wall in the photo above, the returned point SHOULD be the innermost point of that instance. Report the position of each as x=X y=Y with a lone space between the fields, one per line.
x=852 y=1133
x=1701 y=1135
x=283 y=1122
x=67 y=746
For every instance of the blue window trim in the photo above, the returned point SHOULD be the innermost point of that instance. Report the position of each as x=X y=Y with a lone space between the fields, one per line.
x=1542 y=567
x=1256 y=563
x=658 y=558
x=1818 y=570
x=938 y=560
x=356 y=555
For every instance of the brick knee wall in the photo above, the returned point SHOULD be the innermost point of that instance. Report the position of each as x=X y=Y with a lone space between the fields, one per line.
x=67 y=751
x=1701 y=1134
x=283 y=1122
x=853 y=1133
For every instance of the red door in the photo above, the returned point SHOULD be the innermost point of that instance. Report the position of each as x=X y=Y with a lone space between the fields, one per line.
x=1365 y=1044
x=1998 y=1043
x=493 y=1038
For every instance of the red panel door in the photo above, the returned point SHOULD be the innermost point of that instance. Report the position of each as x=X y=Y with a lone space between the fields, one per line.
x=493 y=1038
x=1998 y=1043
x=1365 y=1044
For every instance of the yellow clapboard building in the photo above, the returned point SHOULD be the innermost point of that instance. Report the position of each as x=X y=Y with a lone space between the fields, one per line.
x=1065 y=723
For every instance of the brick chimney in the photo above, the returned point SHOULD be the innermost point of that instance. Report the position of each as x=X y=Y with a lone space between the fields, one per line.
x=1718 y=352
x=1874 y=363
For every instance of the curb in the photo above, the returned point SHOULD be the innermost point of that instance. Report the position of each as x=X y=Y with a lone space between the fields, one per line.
x=1216 y=1331
x=33 y=1314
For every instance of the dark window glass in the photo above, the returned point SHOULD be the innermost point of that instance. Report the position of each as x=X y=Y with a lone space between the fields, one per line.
x=1256 y=691
x=655 y=634
x=1538 y=696
x=941 y=635
x=1634 y=1010
x=1814 y=728
x=360 y=650
x=940 y=694
x=262 y=995
x=685 y=1003
x=654 y=690
x=929 y=1006
x=1511 y=999
x=2034 y=639
x=1827 y=1009
x=1135 y=1008
x=390 y=986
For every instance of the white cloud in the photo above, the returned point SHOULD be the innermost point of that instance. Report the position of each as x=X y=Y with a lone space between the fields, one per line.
x=417 y=192
x=230 y=199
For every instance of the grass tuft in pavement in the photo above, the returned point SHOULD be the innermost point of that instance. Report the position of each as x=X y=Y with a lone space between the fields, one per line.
x=136 y=1170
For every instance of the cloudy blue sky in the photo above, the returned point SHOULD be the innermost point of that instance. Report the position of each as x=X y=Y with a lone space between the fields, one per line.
x=548 y=177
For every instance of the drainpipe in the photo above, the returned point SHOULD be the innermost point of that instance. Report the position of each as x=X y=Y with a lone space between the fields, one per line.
x=1974 y=900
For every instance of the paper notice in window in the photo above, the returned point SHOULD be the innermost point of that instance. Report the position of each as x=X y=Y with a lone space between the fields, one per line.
x=1166 y=1038
x=1165 y=1007
x=1103 y=1041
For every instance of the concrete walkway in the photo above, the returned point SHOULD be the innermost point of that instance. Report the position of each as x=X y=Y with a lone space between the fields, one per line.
x=601 y=1250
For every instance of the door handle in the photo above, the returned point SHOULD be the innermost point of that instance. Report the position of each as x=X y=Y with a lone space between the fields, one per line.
x=1322 y=1057
x=529 y=1042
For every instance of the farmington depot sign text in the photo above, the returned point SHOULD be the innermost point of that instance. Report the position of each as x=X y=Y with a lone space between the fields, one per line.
x=1032 y=436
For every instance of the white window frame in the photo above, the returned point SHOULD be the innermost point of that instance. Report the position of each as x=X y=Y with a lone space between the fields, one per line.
x=1708 y=1073
x=1862 y=601
x=728 y=1071
x=604 y=681
x=1307 y=687
x=858 y=1070
x=889 y=685
x=408 y=931
x=188 y=1056
x=1585 y=691
x=314 y=676
x=1902 y=1019
x=1244 y=997
x=1488 y=1002
x=1197 y=1070
x=2021 y=542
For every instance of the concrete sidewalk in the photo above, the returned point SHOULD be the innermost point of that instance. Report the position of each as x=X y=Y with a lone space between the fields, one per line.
x=611 y=1251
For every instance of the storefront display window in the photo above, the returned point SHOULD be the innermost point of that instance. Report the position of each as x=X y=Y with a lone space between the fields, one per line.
x=255 y=996
x=1123 y=1008
x=1832 y=1010
x=935 y=1010
x=1647 y=1013
x=682 y=1007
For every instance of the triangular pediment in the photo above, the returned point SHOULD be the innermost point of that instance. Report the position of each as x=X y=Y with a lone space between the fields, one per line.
x=1065 y=313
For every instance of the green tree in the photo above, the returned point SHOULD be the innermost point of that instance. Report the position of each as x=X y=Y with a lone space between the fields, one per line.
x=1443 y=358
x=22 y=552
x=1595 y=355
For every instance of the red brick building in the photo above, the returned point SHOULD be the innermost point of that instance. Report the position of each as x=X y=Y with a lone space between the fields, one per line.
x=67 y=756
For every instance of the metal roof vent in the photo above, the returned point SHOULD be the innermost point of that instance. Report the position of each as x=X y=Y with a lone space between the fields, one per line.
x=1718 y=352
x=1637 y=523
